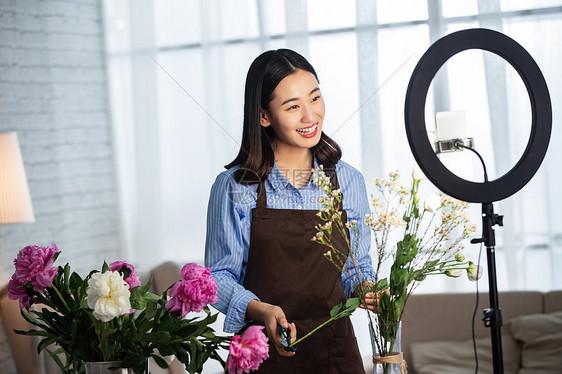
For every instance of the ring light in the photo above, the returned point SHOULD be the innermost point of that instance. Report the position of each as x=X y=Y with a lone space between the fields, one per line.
x=541 y=114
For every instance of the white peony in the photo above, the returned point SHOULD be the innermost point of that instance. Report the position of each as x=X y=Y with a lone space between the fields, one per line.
x=432 y=202
x=474 y=272
x=108 y=295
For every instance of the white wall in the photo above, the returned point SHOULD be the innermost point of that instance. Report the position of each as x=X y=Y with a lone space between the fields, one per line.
x=53 y=94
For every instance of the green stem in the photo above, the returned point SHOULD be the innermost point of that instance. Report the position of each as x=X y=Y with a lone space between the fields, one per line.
x=312 y=332
x=391 y=347
x=60 y=297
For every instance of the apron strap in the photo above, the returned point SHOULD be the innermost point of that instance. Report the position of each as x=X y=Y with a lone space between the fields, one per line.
x=336 y=185
x=262 y=198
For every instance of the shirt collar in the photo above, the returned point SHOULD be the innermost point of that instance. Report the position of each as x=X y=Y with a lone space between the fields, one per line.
x=278 y=180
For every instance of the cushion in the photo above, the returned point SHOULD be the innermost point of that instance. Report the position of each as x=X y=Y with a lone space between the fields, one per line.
x=541 y=338
x=457 y=357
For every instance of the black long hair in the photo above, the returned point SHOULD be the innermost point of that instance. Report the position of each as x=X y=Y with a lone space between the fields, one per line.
x=256 y=152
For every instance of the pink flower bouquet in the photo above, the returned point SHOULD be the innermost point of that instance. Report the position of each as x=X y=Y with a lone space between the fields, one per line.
x=111 y=316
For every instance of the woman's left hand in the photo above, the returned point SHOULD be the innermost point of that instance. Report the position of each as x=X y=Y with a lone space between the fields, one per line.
x=371 y=300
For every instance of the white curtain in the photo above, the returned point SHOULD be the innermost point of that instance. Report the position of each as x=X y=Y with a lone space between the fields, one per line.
x=177 y=71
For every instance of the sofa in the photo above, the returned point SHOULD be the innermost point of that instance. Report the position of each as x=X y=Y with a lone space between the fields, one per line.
x=437 y=337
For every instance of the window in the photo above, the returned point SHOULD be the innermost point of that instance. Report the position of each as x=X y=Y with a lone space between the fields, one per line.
x=177 y=71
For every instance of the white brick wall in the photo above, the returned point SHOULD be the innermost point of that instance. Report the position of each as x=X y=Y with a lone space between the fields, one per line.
x=53 y=94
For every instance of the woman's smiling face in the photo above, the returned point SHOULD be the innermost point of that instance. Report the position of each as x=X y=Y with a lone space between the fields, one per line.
x=296 y=112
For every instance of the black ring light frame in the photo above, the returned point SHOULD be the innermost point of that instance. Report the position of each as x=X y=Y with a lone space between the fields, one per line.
x=418 y=87
x=488 y=191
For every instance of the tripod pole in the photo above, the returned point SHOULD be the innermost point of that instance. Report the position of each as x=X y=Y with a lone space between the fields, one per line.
x=492 y=316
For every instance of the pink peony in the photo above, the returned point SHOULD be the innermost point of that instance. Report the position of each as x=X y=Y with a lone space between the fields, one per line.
x=195 y=291
x=133 y=279
x=247 y=352
x=34 y=264
x=194 y=271
x=17 y=290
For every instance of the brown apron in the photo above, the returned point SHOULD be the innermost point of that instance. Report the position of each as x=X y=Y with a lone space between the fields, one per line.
x=286 y=268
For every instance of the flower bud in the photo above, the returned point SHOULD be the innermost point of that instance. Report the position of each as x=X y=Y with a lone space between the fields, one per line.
x=459 y=257
x=432 y=202
x=453 y=273
x=474 y=272
x=417 y=173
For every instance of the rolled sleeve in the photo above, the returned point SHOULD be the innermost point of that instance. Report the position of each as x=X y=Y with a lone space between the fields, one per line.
x=235 y=317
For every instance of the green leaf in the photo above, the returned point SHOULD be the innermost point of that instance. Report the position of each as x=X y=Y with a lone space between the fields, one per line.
x=381 y=285
x=182 y=354
x=144 y=289
x=416 y=211
x=212 y=318
x=151 y=306
x=352 y=303
x=167 y=350
x=156 y=337
x=160 y=361
x=166 y=321
x=406 y=217
x=105 y=267
x=66 y=275
x=187 y=330
x=137 y=300
x=398 y=280
x=201 y=326
x=335 y=310
x=29 y=318
x=132 y=360
x=33 y=333
x=194 y=349
x=399 y=305
x=406 y=250
x=75 y=281
x=44 y=343
x=140 y=296
x=125 y=271
x=56 y=358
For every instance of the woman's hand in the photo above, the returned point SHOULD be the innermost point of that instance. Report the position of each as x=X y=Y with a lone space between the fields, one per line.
x=372 y=299
x=271 y=315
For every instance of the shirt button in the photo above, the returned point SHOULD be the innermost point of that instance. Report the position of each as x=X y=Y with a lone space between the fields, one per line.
x=299 y=207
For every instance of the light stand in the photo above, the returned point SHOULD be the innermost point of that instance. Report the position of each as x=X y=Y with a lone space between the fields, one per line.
x=488 y=191
x=493 y=314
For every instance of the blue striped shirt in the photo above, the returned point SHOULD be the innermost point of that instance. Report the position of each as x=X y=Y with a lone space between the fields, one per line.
x=228 y=230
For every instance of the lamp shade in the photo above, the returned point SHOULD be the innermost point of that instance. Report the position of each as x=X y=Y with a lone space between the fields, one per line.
x=15 y=201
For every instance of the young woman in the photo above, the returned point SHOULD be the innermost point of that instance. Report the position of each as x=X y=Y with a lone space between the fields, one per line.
x=262 y=216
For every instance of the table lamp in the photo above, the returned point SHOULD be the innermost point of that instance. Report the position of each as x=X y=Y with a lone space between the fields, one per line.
x=15 y=201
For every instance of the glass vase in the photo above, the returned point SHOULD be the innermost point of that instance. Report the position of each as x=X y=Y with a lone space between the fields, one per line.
x=103 y=367
x=387 y=348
